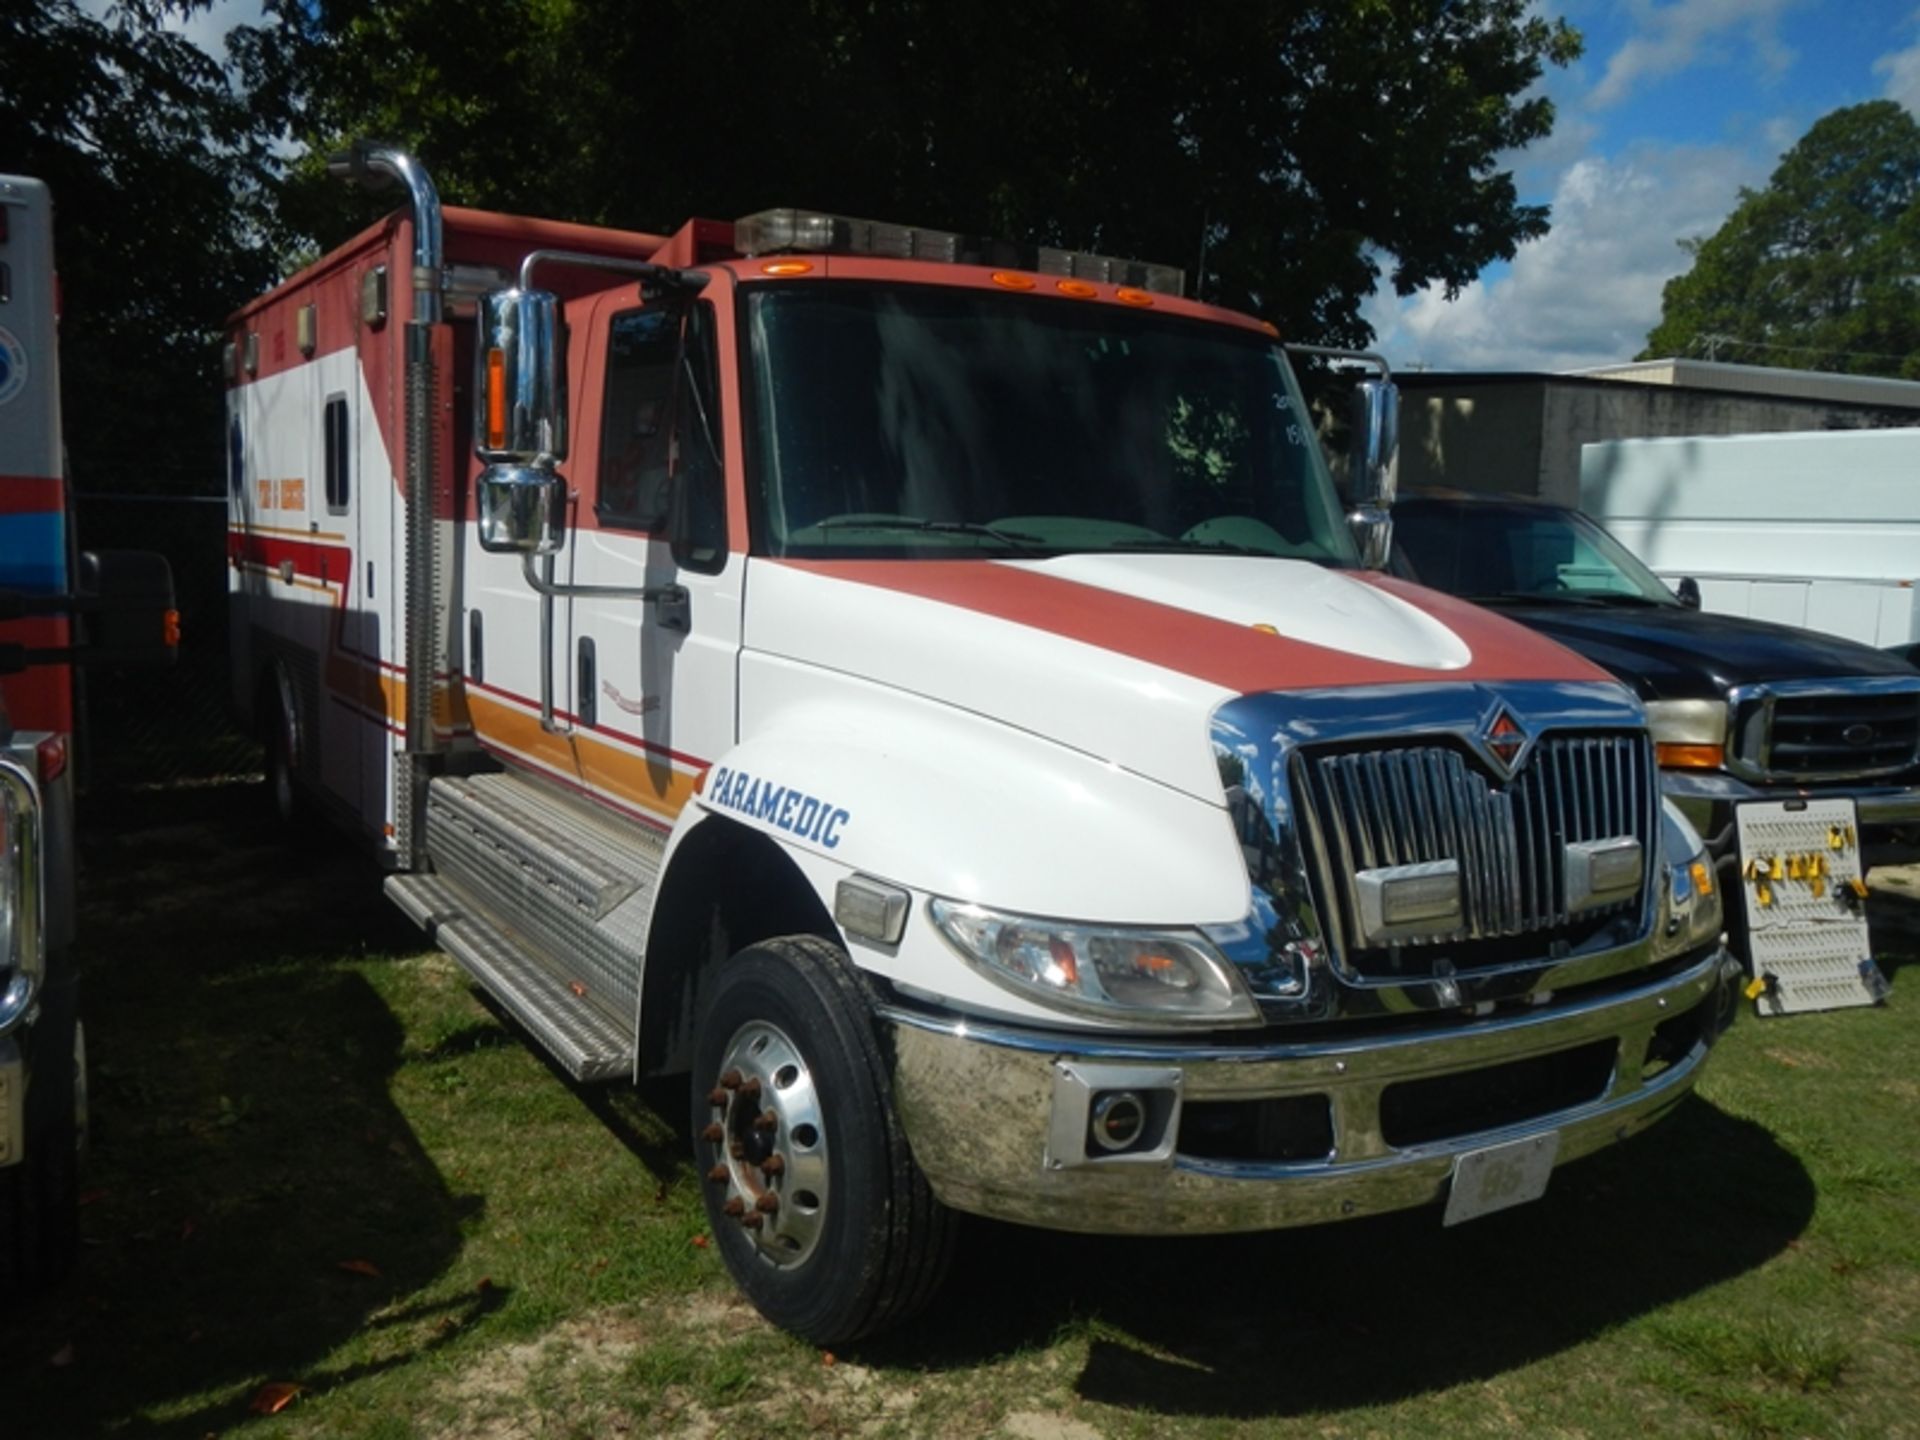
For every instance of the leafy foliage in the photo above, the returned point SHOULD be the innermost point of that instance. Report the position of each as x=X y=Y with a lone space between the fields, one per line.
x=156 y=166
x=1297 y=147
x=1821 y=269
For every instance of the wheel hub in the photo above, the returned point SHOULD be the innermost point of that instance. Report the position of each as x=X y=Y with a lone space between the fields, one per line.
x=767 y=1143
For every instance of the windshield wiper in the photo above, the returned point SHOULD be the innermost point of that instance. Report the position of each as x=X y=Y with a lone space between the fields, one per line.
x=1018 y=539
x=1174 y=547
x=1599 y=598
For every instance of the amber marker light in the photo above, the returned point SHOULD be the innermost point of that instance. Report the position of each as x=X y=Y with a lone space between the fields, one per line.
x=1266 y=629
x=1008 y=280
x=1078 y=289
x=496 y=399
x=787 y=267
x=170 y=628
x=1687 y=757
x=1702 y=877
x=1127 y=295
x=1271 y=328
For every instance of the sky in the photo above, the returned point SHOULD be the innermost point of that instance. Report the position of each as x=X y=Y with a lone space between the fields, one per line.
x=1673 y=108
x=1675 y=105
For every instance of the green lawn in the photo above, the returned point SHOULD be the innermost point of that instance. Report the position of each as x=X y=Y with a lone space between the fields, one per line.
x=320 y=1161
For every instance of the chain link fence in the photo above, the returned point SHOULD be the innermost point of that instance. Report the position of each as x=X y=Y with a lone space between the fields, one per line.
x=171 y=726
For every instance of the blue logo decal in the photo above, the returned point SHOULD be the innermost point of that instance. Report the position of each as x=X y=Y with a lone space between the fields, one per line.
x=804 y=816
x=13 y=367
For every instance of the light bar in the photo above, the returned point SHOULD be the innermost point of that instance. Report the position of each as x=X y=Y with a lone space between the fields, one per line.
x=771 y=231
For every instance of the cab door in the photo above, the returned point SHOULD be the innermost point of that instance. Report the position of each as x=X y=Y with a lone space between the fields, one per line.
x=651 y=682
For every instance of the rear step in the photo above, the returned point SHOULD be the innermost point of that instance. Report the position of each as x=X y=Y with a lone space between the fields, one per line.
x=588 y=1044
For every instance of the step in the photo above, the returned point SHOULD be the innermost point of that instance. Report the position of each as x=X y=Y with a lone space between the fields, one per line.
x=588 y=1044
x=574 y=877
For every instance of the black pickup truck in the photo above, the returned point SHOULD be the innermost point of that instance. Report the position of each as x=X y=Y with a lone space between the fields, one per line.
x=1740 y=709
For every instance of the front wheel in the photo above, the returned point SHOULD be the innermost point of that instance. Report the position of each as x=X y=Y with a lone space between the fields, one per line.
x=816 y=1204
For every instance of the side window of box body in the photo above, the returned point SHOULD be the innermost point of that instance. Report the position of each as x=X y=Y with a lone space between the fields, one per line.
x=339 y=455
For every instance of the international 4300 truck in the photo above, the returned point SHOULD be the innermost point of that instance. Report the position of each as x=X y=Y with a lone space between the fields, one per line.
x=928 y=691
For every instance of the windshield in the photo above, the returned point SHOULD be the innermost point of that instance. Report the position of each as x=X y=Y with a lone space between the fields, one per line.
x=940 y=421
x=1489 y=551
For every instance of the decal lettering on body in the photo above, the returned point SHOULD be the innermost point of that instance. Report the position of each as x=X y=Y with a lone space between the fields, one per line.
x=804 y=816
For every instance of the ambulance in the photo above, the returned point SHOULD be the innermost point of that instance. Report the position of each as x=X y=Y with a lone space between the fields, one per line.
x=928 y=692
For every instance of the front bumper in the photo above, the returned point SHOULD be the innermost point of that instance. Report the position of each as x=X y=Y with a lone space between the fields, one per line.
x=1707 y=798
x=985 y=1109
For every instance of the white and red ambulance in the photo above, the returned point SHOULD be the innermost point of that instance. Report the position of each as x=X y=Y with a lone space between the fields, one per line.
x=928 y=691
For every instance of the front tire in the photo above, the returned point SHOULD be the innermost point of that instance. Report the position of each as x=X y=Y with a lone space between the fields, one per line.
x=816 y=1204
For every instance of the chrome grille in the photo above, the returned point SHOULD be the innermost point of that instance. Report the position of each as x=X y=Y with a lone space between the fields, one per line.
x=1840 y=733
x=1420 y=803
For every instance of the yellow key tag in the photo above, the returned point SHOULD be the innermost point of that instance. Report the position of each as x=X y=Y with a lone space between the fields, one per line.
x=1756 y=987
x=1779 y=871
x=1819 y=887
x=1835 y=838
x=1764 y=894
x=1858 y=886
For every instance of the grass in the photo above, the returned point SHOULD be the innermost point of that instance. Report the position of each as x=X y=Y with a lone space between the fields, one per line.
x=320 y=1161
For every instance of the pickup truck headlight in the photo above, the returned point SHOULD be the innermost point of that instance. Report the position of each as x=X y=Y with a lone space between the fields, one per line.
x=1114 y=972
x=1688 y=734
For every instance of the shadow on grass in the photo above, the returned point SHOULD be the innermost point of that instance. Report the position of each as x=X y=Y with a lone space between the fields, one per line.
x=244 y=1144
x=1372 y=1311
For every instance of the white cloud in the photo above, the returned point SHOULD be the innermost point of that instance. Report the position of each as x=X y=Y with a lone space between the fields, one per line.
x=1675 y=37
x=1902 y=69
x=1589 y=292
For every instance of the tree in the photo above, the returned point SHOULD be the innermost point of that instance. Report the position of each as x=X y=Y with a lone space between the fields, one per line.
x=1821 y=269
x=152 y=159
x=1299 y=148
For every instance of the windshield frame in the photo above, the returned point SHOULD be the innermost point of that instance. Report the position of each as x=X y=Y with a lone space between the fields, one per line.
x=918 y=542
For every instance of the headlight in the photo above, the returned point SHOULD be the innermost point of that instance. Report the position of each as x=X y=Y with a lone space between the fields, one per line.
x=1688 y=734
x=1117 y=973
x=1690 y=905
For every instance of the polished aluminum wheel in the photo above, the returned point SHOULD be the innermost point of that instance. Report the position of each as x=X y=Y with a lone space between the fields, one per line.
x=769 y=1143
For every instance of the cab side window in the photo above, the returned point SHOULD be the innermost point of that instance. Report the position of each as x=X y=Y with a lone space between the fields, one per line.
x=656 y=434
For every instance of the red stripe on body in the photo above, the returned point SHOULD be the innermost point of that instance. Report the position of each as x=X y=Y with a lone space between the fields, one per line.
x=32 y=494
x=1221 y=652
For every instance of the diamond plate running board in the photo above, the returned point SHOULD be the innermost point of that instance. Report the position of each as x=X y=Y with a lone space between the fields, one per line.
x=588 y=1045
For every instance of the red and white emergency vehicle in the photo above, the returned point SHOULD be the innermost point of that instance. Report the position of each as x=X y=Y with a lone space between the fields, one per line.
x=59 y=607
x=929 y=692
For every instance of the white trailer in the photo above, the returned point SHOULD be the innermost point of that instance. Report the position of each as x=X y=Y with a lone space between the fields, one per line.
x=1818 y=529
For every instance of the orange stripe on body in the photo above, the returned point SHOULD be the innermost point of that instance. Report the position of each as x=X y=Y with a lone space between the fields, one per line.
x=649 y=784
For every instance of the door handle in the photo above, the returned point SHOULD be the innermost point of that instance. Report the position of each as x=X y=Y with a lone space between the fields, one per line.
x=673 y=607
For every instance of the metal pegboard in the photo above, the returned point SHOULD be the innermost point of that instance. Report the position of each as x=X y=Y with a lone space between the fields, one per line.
x=1805 y=894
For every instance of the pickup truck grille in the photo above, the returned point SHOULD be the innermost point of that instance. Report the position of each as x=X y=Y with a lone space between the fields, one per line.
x=1836 y=734
x=1415 y=804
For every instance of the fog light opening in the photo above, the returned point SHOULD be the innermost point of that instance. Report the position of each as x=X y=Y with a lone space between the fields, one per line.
x=1117 y=1120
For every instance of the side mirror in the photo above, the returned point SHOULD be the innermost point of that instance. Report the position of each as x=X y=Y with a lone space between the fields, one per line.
x=1370 y=468
x=520 y=423
x=126 y=599
x=520 y=412
x=523 y=509
x=1689 y=592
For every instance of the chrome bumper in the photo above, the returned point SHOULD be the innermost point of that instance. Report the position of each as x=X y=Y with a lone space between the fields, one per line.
x=985 y=1109
x=1697 y=792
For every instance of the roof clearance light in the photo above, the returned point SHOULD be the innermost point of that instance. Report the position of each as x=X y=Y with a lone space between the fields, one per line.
x=1127 y=295
x=1078 y=289
x=787 y=267
x=768 y=232
x=1012 y=281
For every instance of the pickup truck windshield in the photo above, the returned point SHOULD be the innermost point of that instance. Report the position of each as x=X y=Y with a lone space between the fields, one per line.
x=1490 y=552
x=936 y=421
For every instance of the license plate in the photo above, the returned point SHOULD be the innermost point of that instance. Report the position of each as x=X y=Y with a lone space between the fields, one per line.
x=1500 y=1176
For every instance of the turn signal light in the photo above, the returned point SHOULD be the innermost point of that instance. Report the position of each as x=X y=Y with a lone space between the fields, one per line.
x=496 y=399
x=170 y=629
x=1687 y=757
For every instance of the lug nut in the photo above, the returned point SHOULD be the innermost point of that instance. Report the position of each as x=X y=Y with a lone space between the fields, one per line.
x=765 y=1120
x=767 y=1204
x=772 y=1166
x=735 y=1206
x=737 y=1150
x=752 y=1222
x=730 y=1080
x=716 y=1097
x=718 y=1174
x=750 y=1089
x=714 y=1132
